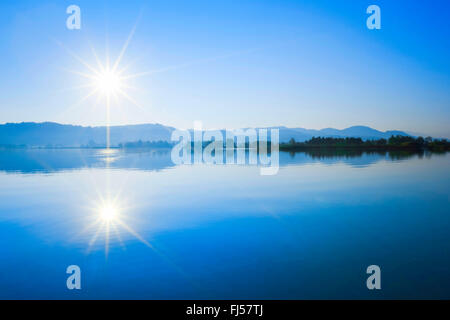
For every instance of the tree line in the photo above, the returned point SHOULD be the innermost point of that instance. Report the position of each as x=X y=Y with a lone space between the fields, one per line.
x=394 y=142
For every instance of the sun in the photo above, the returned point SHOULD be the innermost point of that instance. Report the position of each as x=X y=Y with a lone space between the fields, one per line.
x=108 y=82
x=109 y=212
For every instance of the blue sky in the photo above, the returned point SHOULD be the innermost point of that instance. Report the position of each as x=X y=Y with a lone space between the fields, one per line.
x=311 y=64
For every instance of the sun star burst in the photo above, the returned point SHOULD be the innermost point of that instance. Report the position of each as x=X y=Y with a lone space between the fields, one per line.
x=108 y=82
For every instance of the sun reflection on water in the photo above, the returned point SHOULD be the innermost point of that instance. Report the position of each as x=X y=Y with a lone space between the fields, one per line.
x=108 y=223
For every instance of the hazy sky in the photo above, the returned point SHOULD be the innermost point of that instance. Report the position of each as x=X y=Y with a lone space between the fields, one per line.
x=311 y=64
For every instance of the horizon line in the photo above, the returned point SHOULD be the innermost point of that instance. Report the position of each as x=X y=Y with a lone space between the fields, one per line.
x=204 y=129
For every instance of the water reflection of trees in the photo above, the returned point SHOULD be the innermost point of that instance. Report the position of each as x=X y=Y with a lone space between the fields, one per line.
x=331 y=153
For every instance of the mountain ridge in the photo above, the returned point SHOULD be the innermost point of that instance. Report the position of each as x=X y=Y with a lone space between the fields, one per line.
x=68 y=135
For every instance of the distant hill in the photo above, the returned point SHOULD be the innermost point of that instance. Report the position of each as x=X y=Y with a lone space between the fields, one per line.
x=366 y=133
x=58 y=135
x=54 y=134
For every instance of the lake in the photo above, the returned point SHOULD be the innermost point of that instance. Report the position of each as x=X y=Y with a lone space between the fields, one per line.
x=140 y=227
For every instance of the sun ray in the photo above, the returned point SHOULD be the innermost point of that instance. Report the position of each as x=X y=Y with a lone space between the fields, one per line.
x=82 y=74
x=188 y=64
x=107 y=52
x=74 y=88
x=126 y=67
x=107 y=238
x=77 y=103
x=90 y=94
x=118 y=236
x=134 y=233
x=124 y=94
x=94 y=238
x=127 y=86
x=87 y=65
x=125 y=46
x=97 y=59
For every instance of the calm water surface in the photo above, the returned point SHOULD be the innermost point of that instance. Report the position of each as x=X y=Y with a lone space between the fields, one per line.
x=223 y=232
